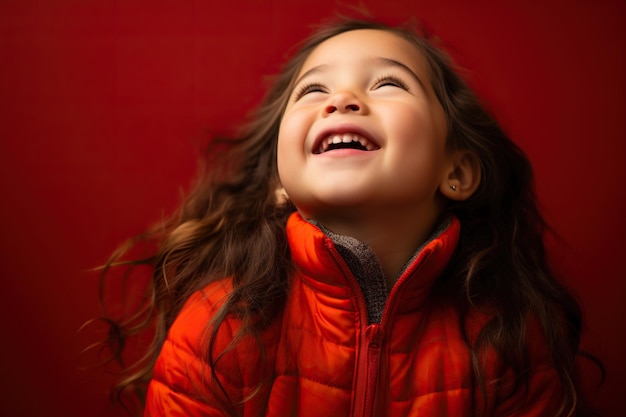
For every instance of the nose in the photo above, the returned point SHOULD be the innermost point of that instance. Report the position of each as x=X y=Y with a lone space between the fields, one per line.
x=344 y=102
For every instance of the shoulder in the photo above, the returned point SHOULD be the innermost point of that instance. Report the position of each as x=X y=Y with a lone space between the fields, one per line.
x=517 y=370
x=530 y=336
x=189 y=374
x=232 y=352
x=185 y=343
x=194 y=319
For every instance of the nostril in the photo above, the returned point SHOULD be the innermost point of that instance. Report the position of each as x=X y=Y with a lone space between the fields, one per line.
x=352 y=107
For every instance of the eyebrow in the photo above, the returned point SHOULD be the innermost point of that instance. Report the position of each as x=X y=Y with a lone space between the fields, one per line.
x=379 y=60
x=314 y=70
x=393 y=63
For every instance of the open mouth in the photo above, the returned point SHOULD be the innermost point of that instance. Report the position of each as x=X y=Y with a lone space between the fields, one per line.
x=345 y=141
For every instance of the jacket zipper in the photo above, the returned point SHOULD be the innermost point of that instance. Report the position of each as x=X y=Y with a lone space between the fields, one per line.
x=371 y=337
x=368 y=369
x=374 y=337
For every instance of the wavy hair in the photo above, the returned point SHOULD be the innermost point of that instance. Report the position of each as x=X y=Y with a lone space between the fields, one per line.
x=232 y=225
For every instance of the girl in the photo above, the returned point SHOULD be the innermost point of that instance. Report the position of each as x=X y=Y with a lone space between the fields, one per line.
x=369 y=246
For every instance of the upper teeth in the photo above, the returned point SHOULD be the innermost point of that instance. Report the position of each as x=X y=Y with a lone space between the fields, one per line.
x=345 y=138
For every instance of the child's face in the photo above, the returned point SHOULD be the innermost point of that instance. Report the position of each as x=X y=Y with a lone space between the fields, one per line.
x=371 y=88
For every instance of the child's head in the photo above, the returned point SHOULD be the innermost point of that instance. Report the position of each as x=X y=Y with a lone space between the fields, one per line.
x=363 y=135
x=453 y=151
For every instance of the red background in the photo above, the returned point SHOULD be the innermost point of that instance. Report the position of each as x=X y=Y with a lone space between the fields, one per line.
x=105 y=105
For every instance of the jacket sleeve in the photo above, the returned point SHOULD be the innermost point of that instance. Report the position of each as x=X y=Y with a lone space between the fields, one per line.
x=182 y=382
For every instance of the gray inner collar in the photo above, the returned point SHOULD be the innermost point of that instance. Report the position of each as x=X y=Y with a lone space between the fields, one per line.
x=367 y=270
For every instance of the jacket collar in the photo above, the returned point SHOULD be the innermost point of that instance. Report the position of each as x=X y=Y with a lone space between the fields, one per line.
x=333 y=263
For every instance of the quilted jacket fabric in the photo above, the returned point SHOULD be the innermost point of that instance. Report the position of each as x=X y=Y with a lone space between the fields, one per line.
x=331 y=353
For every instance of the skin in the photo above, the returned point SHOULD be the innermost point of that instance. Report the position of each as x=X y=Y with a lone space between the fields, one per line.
x=376 y=84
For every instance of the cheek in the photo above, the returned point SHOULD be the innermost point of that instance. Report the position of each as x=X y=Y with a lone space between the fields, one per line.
x=292 y=135
x=412 y=126
x=287 y=128
x=405 y=128
x=281 y=153
x=286 y=151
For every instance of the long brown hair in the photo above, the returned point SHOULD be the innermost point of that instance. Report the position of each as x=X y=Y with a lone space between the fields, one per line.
x=232 y=225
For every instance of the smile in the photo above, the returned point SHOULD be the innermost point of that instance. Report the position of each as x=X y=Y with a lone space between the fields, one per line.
x=345 y=141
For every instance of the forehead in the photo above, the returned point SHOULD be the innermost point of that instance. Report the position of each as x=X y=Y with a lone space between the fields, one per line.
x=366 y=45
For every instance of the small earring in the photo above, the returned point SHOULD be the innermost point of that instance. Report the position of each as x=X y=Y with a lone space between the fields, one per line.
x=453 y=187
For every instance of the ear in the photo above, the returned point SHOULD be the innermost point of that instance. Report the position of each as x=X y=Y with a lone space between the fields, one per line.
x=462 y=177
x=281 y=195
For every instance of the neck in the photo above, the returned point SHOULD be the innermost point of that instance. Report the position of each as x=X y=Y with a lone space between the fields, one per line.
x=393 y=237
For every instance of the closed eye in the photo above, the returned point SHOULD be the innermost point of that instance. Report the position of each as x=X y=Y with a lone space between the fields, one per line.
x=390 y=81
x=308 y=89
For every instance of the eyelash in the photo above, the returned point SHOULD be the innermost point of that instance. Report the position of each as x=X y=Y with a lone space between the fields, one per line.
x=308 y=88
x=380 y=82
x=391 y=79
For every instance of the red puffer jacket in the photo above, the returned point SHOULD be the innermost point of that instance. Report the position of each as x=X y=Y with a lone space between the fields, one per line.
x=332 y=353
